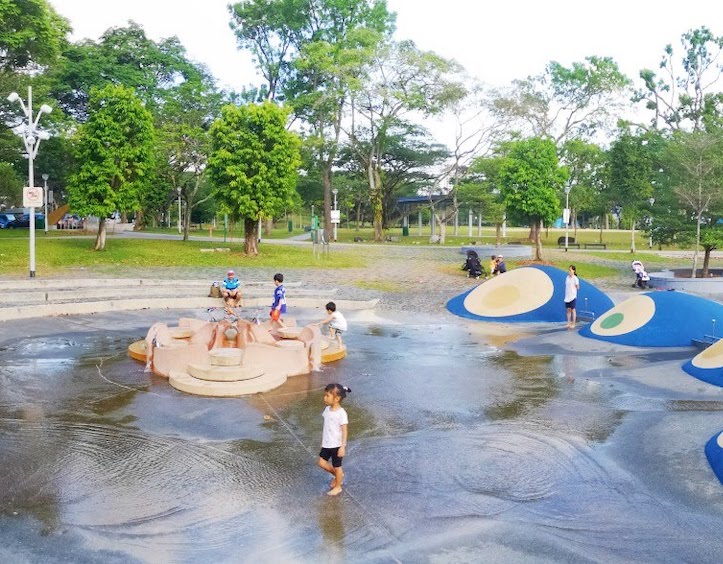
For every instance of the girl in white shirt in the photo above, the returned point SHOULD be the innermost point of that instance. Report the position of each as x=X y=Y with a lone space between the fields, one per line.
x=572 y=285
x=334 y=435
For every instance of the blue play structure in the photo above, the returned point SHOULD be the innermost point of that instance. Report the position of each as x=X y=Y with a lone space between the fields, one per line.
x=657 y=319
x=529 y=294
x=714 y=453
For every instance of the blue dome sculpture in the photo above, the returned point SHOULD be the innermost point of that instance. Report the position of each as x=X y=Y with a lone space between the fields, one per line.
x=708 y=364
x=528 y=294
x=714 y=454
x=656 y=319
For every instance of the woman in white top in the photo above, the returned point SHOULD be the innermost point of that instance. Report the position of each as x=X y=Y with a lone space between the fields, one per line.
x=572 y=285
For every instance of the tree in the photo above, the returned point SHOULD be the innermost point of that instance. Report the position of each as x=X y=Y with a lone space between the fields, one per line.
x=696 y=166
x=184 y=143
x=253 y=164
x=32 y=34
x=11 y=186
x=114 y=155
x=481 y=189
x=272 y=30
x=565 y=103
x=404 y=80
x=123 y=55
x=684 y=96
x=586 y=164
x=630 y=178
x=531 y=180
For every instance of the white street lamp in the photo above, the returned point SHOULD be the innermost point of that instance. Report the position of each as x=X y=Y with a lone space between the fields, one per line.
x=336 y=219
x=651 y=201
x=31 y=138
x=179 y=209
x=566 y=213
x=45 y=199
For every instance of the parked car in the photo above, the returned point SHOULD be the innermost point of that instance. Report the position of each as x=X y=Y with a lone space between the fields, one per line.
x=24 y=222
x=6 y=218
x=70 y=221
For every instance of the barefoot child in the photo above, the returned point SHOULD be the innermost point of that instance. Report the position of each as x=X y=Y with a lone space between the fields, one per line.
x=278 y=307
x=337 y=322
x=333 y=437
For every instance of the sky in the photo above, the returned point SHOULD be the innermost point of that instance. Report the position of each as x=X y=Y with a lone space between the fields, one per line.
x=496 y=42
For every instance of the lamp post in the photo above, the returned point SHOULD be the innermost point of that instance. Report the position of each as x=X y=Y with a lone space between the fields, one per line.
x=566 y=213
x=336 y=219
x=31 y=137
x=45 y=199
x=651 y=201
x=179 y=209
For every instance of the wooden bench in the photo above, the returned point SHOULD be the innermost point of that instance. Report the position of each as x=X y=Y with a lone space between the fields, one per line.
x=596 y=246
x=570 y=242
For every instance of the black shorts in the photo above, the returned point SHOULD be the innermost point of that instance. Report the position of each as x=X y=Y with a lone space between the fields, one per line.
x=333 y=454
x=571 y=304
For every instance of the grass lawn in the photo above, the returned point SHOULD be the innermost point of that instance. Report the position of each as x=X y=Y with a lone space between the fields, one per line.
x=54 y=254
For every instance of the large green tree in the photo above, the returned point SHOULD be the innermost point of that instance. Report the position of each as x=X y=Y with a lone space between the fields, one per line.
x=32 y=34
x=630 y=177
x=183 y=145
x=253 y=164
x=122 y=55
x=403 y=80
x=114 y=154
x=695 y=163
x=531 y=180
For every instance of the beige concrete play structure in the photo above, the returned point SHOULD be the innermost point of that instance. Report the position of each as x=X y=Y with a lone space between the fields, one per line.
x=233 y=358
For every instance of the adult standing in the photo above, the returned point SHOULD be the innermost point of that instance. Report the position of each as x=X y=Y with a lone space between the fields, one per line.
x=572 y=285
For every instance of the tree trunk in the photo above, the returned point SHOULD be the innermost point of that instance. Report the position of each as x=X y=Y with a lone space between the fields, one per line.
x=498 y=234
x=186 y=222
x=100 y=238
x=140 y=224
x=251 y=237
x=268 y=226
x=358 y=215
x=442 y=229
x=538 y=241
x=697 y=244
x=632 y=237
x=326 y=182
x=377 y=200
x=706 y=261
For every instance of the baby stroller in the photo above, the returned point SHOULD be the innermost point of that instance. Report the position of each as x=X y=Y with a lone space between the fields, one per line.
x=473 y=265
x=642 y=280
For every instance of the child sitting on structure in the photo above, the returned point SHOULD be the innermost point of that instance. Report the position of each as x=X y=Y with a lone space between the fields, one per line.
x=337 y=322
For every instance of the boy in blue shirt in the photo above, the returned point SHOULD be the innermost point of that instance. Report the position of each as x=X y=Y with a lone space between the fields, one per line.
x=231 y=291
x=279 y=305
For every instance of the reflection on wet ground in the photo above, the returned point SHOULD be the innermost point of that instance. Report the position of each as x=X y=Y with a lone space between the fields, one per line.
x=462 y=448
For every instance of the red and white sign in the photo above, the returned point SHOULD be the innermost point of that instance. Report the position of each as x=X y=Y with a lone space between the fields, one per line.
x=33 y=197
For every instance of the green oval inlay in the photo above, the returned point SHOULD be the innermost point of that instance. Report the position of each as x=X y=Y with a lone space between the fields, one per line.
x=612 y=321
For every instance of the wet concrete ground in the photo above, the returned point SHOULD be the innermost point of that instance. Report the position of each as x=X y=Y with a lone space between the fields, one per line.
x=464 y=447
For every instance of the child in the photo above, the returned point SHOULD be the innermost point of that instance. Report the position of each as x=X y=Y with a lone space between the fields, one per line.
x=337 y=322
x=572 y=285
x=279 y=305
x=334 y=435
x=493 y=265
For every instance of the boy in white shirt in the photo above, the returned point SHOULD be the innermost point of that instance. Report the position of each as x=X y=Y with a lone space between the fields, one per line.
x=337 y=322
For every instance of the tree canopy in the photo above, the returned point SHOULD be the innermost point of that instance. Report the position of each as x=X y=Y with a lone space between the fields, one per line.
x=253 y=164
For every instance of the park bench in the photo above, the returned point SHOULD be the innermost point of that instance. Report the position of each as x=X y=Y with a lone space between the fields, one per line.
x=596 y=246
x=570 y=242
x=391 y=239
